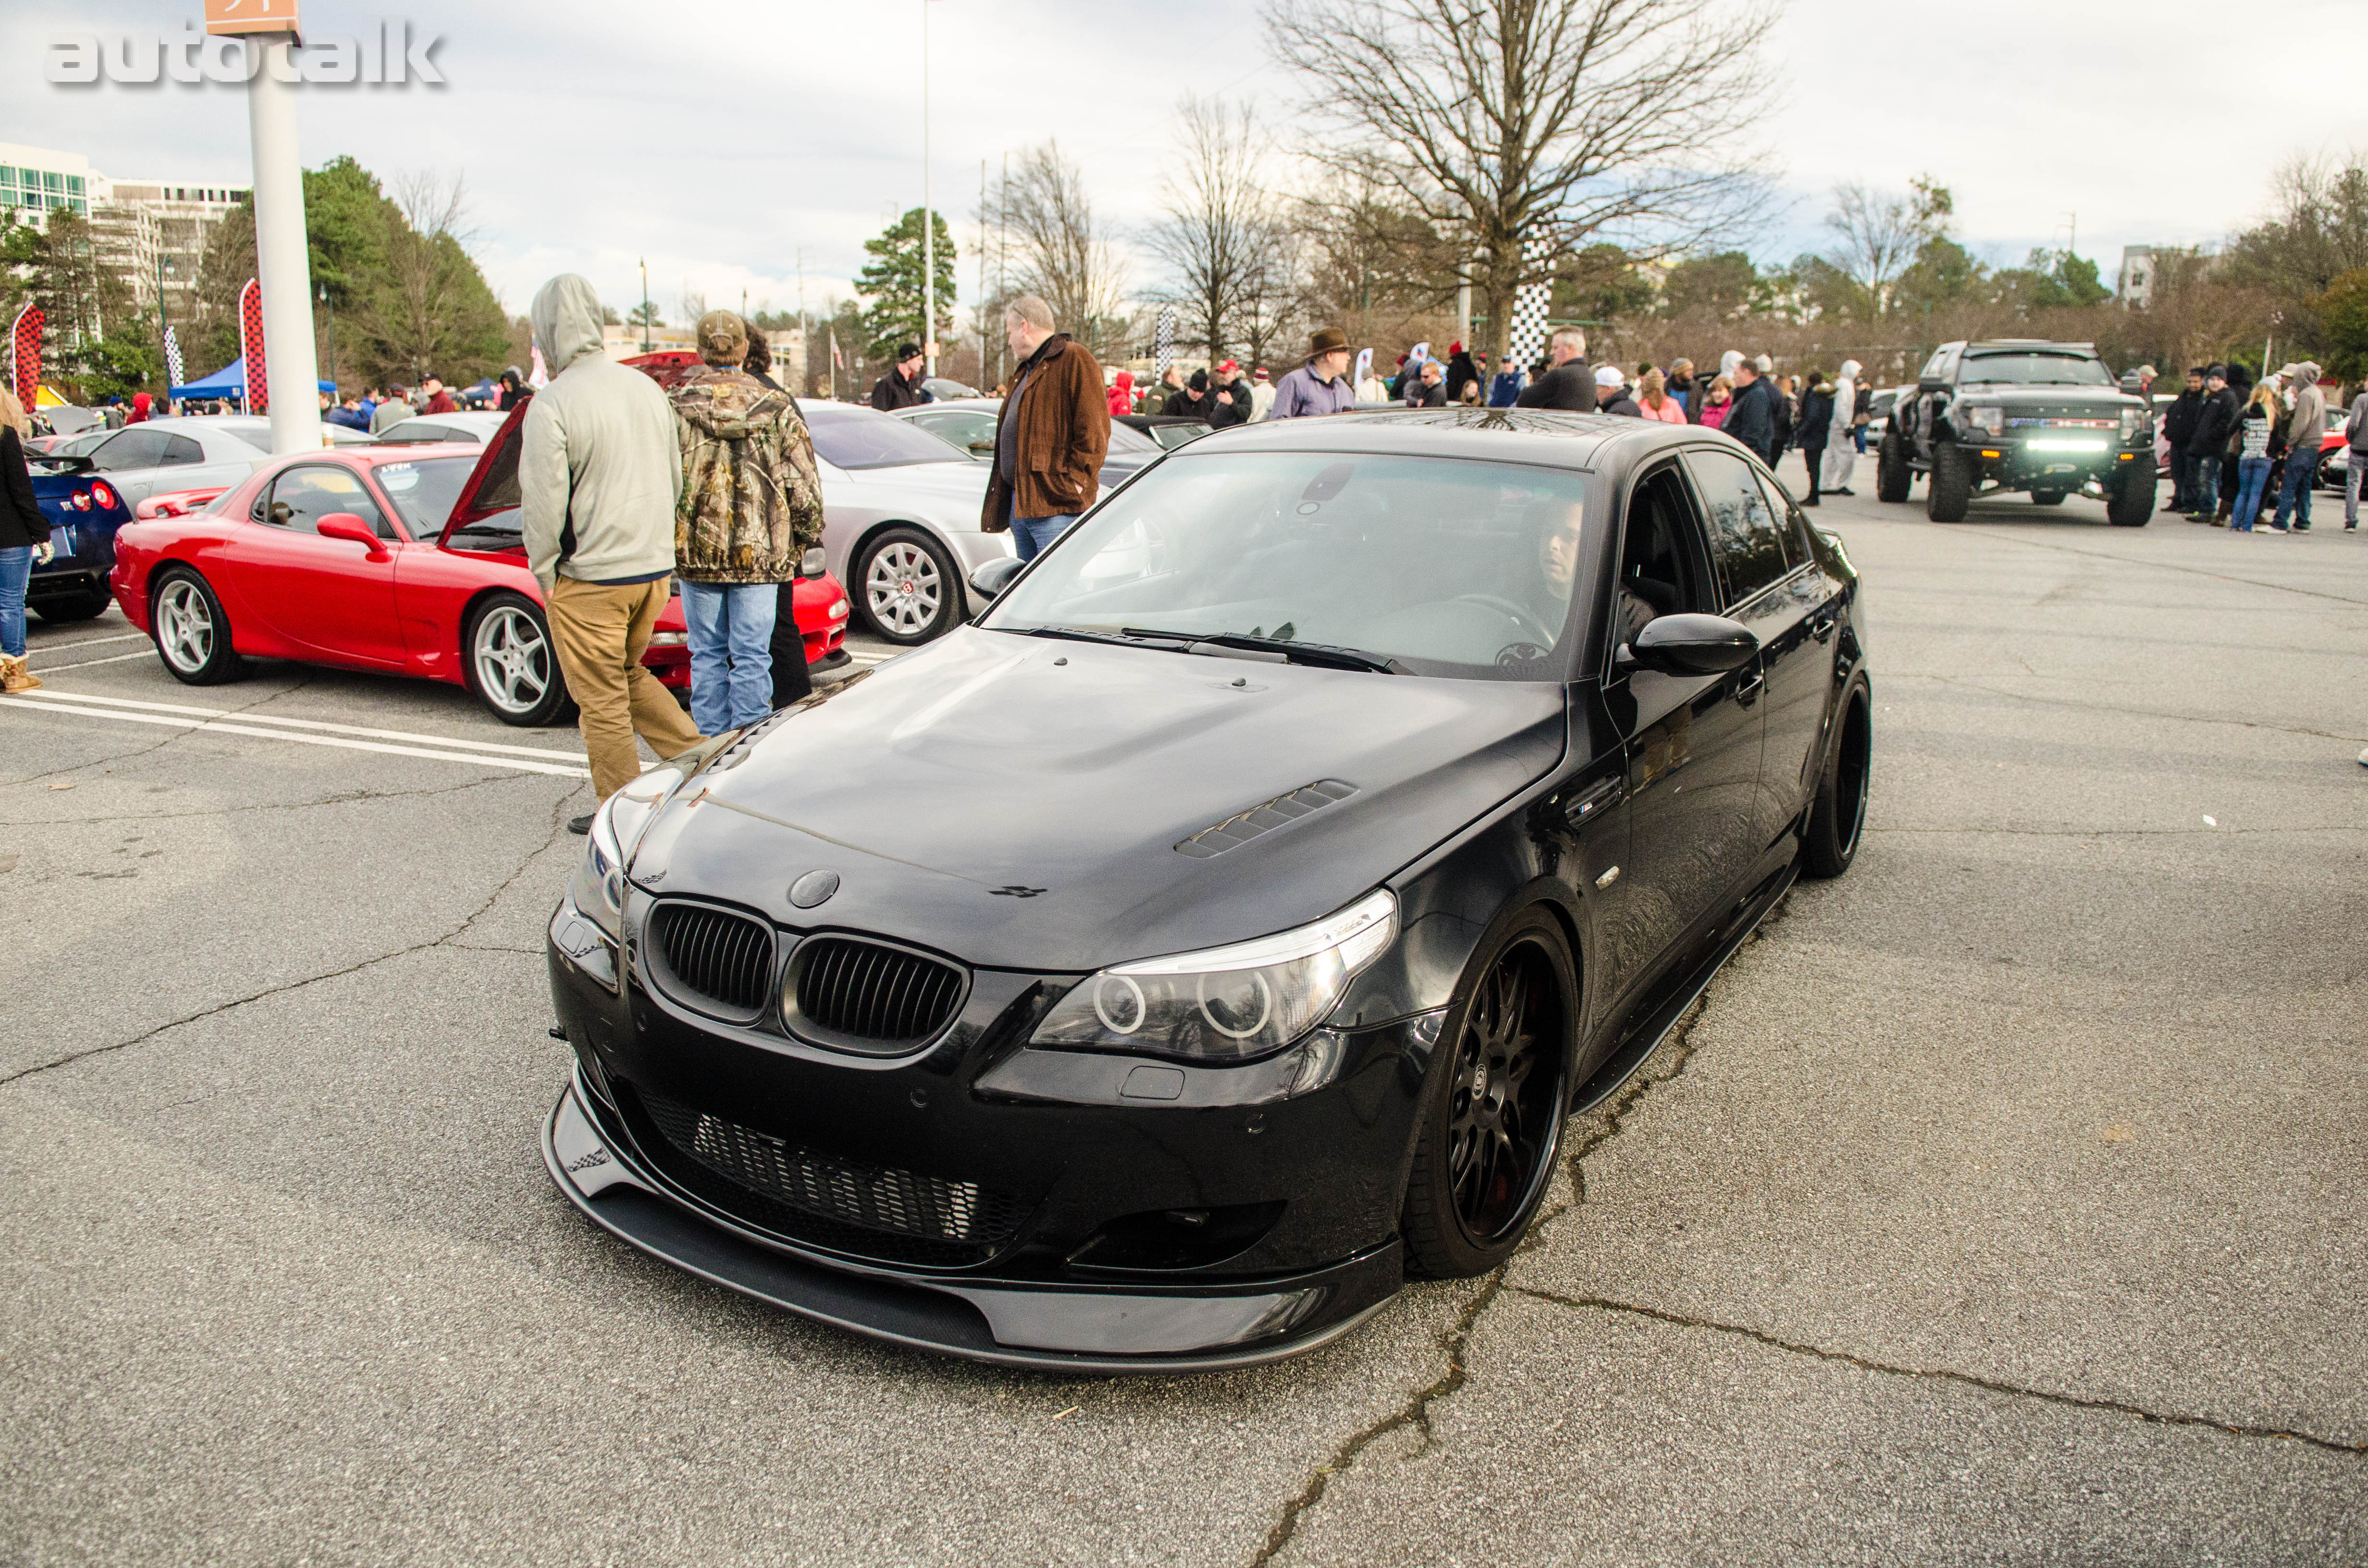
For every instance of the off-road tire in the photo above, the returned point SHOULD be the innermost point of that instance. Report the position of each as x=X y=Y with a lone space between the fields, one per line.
x=1950 y=487
x=2133 y=505
x=1892 y=474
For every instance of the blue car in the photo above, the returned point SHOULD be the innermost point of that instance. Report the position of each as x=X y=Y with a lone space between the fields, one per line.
x=85 y=511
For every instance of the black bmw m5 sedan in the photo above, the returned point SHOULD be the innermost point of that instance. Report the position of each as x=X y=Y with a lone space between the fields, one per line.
x=1157 y=970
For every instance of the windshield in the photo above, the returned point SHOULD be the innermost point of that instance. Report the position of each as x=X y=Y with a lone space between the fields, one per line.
x=862 y=437
x=2034 y=371
x=424 y=491
x=1127 y=438
x=1448 y=567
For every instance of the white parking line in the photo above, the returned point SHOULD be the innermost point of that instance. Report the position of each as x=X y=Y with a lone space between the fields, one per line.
x=89 y=642
x=297 y=732
x=85 y=664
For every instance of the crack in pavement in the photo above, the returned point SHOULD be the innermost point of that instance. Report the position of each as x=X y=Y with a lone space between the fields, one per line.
x=1943 y=1374
x=1416 y=1411
x=2129 y=713
x=558 y=823
x=345 y=798
x=169 y=737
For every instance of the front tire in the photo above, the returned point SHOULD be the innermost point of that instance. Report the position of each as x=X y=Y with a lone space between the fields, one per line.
x=191 y=634
x=905 y=587
x=1838 y=816
x=2133 y=505
x=1892 y=474
x=1950 y=488
x=512 y=664
x=1492 y=1124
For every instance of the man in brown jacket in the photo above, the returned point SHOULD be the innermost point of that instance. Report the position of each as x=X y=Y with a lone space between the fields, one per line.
x=1052 y=435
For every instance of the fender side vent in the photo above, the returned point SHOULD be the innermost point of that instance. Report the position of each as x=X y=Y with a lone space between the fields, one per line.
x=1264 y=817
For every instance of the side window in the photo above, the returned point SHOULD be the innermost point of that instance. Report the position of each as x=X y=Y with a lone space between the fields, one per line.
x=1747 y=540
x=1791 y=521
x=1931 y=371
x=300 y=498
x=128 y=450
x=180 y=450
x=1661 y=568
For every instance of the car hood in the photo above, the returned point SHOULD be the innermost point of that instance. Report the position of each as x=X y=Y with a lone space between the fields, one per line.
x=961 y=480
x=2101 y=402
x=1017 y=802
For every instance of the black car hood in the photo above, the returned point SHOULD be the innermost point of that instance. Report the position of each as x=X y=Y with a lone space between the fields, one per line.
x=2099 y=401
x=1016 y=801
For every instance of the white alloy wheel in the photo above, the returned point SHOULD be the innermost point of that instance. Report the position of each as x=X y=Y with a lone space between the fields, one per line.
x=185 y=626
x=903 y=589
x=512 y=659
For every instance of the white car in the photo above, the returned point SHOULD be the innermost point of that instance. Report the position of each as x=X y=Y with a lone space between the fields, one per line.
x=183 y=452
x=474 y=425
x=900 y=519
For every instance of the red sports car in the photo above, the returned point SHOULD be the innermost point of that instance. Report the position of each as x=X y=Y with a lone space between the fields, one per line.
x=405 y=558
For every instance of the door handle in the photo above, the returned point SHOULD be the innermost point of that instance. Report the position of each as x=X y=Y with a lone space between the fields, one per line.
x=1822 y=628
x=1748 y=692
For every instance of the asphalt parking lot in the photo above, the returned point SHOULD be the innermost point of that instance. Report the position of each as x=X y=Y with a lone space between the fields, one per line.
x=2004 y=1201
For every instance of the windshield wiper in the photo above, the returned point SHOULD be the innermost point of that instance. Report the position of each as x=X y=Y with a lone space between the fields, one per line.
x=1322 y=656
x=1080 y=634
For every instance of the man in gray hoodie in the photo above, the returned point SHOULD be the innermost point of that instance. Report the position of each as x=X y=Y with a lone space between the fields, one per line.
x=599 y=471
x=2306 y=430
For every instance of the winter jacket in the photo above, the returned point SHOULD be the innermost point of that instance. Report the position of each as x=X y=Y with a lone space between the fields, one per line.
x=1223 y=415
x=1845 y=392
x=21 y=522
x=1780 y=407
x=1432 y=396
x=2214 y=423
x=1817 y=418
x=1303 y=395
x=2355 y=428
x=1713 y=414
x=1623 y=405
x=351 y=418
x=1570 y=387
x=892 y=392
x=1751 y=418
x=1671 y=412
x=2307 y=426
x=1059 y=433
x=1182 y=404
x=751 y=501
x=1461 y=371
x=1505 y=391
x=441 y=403
x=599 y=461
x=1122 y=394
x=2178 y=419
x=392 y=410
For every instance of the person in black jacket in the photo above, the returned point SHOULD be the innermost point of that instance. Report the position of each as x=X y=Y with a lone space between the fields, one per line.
x=1816 y=429
x=1751 y=416
x=1430 y=391
x=24 y=539
x=2216 y=422
x=1461 y=371
x=1190 y=401
x=2178 y=429
x=900 y=387
x=1569 y=385
x=1229 y=397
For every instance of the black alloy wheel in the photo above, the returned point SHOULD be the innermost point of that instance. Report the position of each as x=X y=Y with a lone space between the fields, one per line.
x=512 y=664
x=87 y=605
x=2132 y=506
x=2047 y=497
x=1951 y=488
x=1892 y=474
x=905 y=587
x=1838 y=816
x=1492 y=1124
x=191 y=634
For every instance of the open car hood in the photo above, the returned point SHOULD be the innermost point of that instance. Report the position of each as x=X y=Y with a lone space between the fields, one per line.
x=493 y=485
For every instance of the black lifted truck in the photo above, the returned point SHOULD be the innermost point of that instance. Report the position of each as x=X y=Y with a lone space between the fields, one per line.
x=2020 y=414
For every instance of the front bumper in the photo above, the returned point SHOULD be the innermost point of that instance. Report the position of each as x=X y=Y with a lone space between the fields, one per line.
x=2042 y=462
x=1316 y=1140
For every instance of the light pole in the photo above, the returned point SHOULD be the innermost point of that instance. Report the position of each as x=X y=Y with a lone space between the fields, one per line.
x=332 y=306
x=645 y=304
x=929 y=221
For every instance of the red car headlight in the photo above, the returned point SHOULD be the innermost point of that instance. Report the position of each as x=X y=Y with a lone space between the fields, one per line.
x=103 y=495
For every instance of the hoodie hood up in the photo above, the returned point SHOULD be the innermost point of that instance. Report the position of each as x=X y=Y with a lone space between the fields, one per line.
x=565 y=316
x=1849 y=372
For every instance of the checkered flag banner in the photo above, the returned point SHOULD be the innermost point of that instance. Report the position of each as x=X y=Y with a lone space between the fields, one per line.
x=1530 y=307
x=173 y=377
x=24 y=355
x=250 y=334
x=1166 y=337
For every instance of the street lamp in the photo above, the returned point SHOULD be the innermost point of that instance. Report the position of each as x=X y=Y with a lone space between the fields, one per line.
x=332 y=305
x=645 y=304
x=929 y=221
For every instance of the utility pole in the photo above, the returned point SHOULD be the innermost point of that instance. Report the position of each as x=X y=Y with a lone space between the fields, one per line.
x=929 y=221
x=984 y=383
x=645 y=304
x=282 y=258
x=805 y=328
x=332 y=305
x=1002 y=249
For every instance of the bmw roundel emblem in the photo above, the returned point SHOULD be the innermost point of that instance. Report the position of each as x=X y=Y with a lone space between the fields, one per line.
x=813 y=888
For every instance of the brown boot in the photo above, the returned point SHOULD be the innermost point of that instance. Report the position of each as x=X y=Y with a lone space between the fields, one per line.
x=14 y=676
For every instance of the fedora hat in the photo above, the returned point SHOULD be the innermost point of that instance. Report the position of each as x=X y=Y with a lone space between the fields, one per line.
x=1325 y=340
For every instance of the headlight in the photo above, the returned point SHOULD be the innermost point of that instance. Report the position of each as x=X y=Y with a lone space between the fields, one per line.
x=1225 y=1003
x=2132 y=421
x=598 y=890
x=1989 y=416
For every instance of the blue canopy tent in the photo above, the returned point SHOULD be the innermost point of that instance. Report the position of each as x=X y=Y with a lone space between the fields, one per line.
x=230 y=382
x=485 y=388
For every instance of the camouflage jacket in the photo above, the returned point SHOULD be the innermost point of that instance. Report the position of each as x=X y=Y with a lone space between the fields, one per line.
x=751 y=497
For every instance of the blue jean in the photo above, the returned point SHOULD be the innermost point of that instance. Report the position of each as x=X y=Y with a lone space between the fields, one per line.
x=2294 y=495
x=2252 y=478
x=730 y=626
x=15 y=571
x=2205 y=493
x=2183 y=479
x=1032 y=534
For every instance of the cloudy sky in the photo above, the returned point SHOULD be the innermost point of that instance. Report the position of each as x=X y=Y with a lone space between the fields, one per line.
x=727 y=140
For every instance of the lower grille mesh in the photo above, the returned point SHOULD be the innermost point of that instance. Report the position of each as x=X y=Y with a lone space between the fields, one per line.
x=872 y=1211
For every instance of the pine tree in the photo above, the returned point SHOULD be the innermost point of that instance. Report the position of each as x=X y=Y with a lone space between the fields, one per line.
x=892 y=282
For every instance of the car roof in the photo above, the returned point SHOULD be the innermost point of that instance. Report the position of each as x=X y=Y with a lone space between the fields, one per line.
x=1541 y=435
x=976 y=404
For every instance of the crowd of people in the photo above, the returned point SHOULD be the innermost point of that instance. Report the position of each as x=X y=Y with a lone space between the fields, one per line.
x=2245 y=454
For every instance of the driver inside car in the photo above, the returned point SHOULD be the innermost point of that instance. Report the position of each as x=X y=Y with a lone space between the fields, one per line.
x=1549 y=596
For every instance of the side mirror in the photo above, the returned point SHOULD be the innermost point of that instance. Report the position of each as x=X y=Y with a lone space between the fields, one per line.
x=353 y=530
x=1688 y=645
x=994 y=576
x=814 y=563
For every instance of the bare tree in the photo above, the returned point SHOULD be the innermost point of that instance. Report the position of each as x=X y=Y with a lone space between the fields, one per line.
x=1217 y=220
x=1877 y=235
x=432 y=310
x=1062 y=252
x=693 y=304
x=1544 y=123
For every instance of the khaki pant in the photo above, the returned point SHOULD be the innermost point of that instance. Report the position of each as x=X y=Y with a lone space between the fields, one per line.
x=601 y=632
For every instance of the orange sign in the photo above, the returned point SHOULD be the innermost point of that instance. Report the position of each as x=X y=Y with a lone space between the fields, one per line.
x=250 y=16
